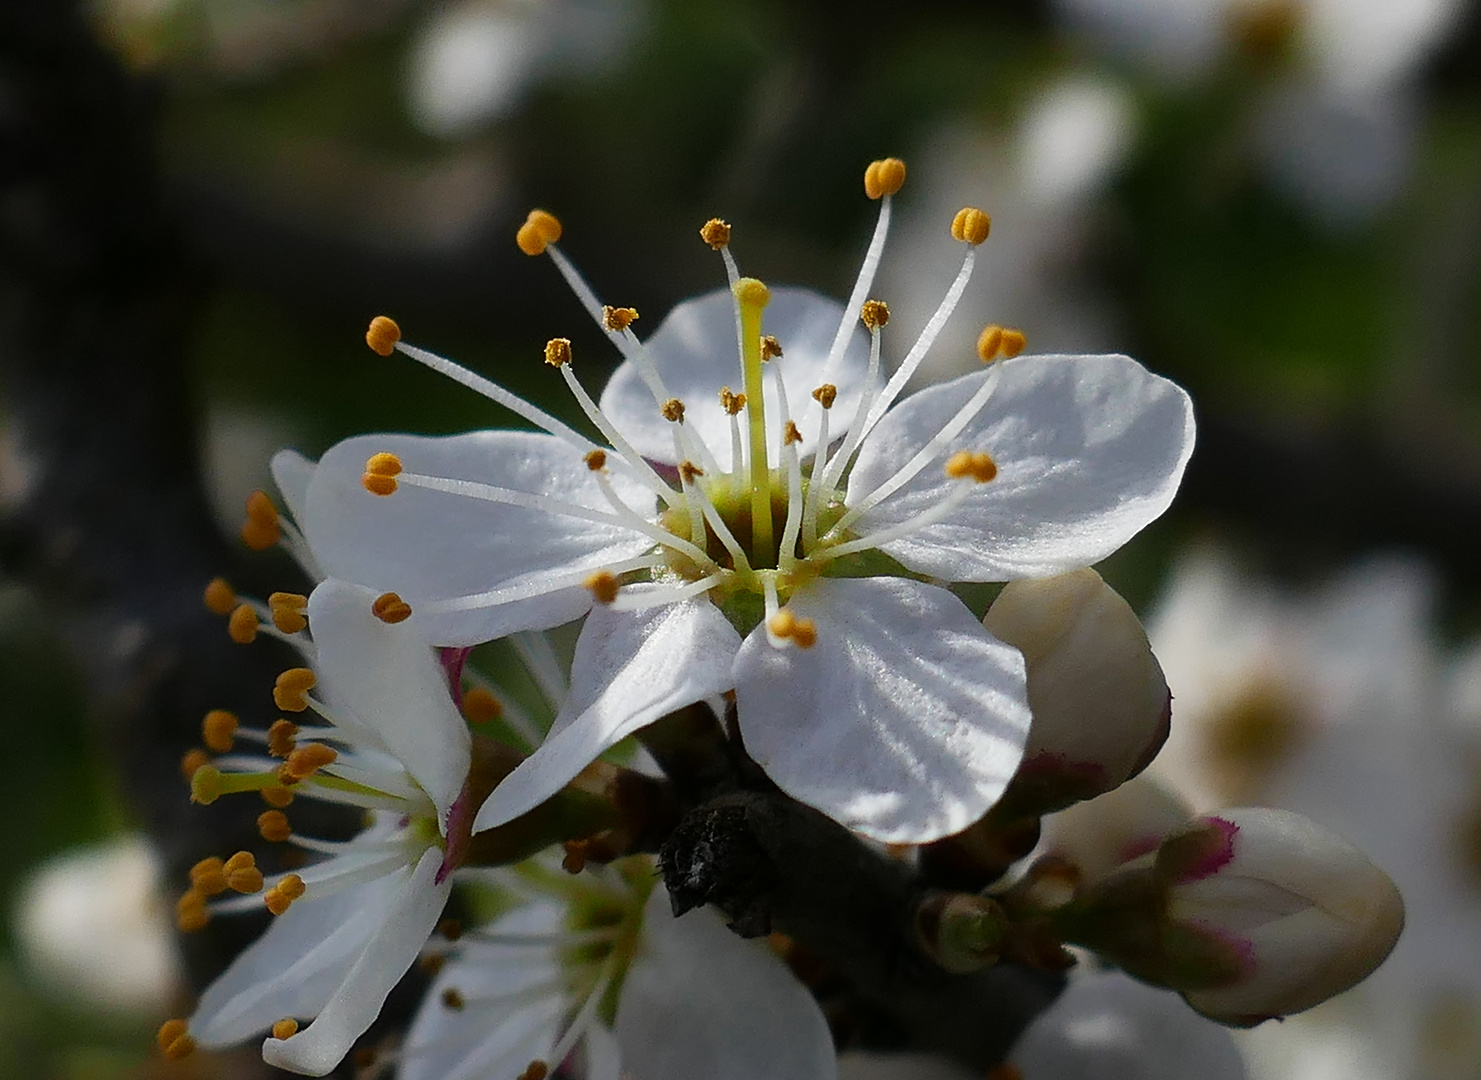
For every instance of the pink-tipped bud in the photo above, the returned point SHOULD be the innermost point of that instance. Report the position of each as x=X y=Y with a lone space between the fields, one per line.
x=1100 y=704
x=1099 y=836
x=1311 y=913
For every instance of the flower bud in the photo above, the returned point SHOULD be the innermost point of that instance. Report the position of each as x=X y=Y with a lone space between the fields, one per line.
x=1101 y=707
x=1098 y=836
x=1308 y=910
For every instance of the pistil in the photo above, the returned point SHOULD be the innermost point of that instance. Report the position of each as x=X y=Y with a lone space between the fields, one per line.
x=753 y=297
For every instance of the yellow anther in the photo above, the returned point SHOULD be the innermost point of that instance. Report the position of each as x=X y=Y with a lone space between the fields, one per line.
x=381 y=471
x=261 y=529
x=539 y=230
x=174 y=1040
x=208 y=876
x=805 y=633
x=715 y=232
x=432 y=963
x=285 y=1028
x=875 y=313
x=192 y=761
x=451 y=929
x=288 y=611
x=771 y=348
x=970 y=226
x=689 y=472
x=281 y=896
x=480 y=706
x=558 y=351
x=967 y=464
x=453 y=999
x=363 y=1058
x=205 y=785
x=282 y=737
x=782 y=623
x=383 y=335
x=390 y=608
x=995 y=341
x=379 y=485
x=596 y=460
x=618 y=319
x=242 y=875
x=304 y=762
x=752 y=293
x=191 y=913
x=574 y=860
x=273 y=826
x=242 y=626
x=276 y=795
x=536 y=1070
x=218 y=729
x=290 y=687
x=788 y=627
x=673 y=410
x=884 y=177
x=220 y=597
x=603 y=585
x=790 y=434
x=826 y=395
x=731 y=402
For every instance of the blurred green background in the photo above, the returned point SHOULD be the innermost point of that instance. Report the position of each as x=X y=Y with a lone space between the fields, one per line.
x=1275 y=202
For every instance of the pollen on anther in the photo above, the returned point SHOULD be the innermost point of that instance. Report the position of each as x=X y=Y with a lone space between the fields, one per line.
x=192 y=761
x=305 y=761
x=730 y=401
x=282 y=737
x=603 y=585
x=453 y=999
x=242 y=626
x=689 y=472
x=618 y=319
x=826 y=395
x=242 y=875
x=536 y=1070
x=285 y=1028
x=451 y=929
x=967 y=464
x=541 y=228
x=673 y=410
x=480 y=706
x=771 y=348
x=281 y=896
x=995 y=341
x=790 y=434
x=277 y=795
x=788 y=627
x=805 y=633
x=290 y=688
x=884 y=177
x=390 y=608
x=715 y=232
x=383 y=335
x=558 y=351
x=220 y=597
x=208 y=876
x=191 y=913
x=970 y=226
x=288 y=611
x=596 y=460
x=574 y=860
x=218 y=729
x=381 y=471
x=875 y=313
x=174 y=1040
x=273 y=826
x=261 y=529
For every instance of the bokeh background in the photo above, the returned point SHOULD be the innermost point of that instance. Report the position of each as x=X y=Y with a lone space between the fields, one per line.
x=1275 y=202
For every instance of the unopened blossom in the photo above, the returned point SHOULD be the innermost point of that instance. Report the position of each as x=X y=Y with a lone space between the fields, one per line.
x=594 y=973
x=1101 y=708
x=386 y=737
x=1100 y=835
x=767 y=514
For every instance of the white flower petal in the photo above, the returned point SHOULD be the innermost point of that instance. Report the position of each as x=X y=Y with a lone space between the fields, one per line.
x=696 y=353
x=394 y=684
x=904 y=721
x=701 y=1002
x=293 y=968
x=353 y=1006
x=630 y=668
x=429 y=545
x=1089 y=449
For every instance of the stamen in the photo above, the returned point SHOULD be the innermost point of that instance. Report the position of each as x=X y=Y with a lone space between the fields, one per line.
x=281 y=738
x=673 y=411
x=273 y=826
x=575 y=858
x=276 y=795
x=480 y=706
x=558 y=351
x=884 y=177
x=869 y=541
x=261 y=530
x=285 y=1028
x=688 y=474
x=970 y=226
x=242 y=875
x=716 y=233
x=217 y=730
x=596 y=461
x=647 y=598
x=453 y=999
x=965 y=463
x=242 y=626
x=220 y=597
x=790 y=434
x=192 y=761
x=637 y=466
x=771 y=348
x=381 y=471
x=874 y=314
x=383 y=335
x=174 y=1041
x=281 y=896
x=617 y=319
x=536 y=1070
x=288 y=611
x=995 y=341
x=304 y=762
x=290 y=688
x=826 y=395
x=786 y=626
x=540 y=229
x=834 y=466
x=451 y=929
x=390 y=608
x=603 y=585
x=191 y=913
x=208 y=877
x=540 y=583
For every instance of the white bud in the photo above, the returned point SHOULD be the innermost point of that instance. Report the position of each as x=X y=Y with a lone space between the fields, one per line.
x=1100 y=703
x=1308 y=913
x=1100 y=835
